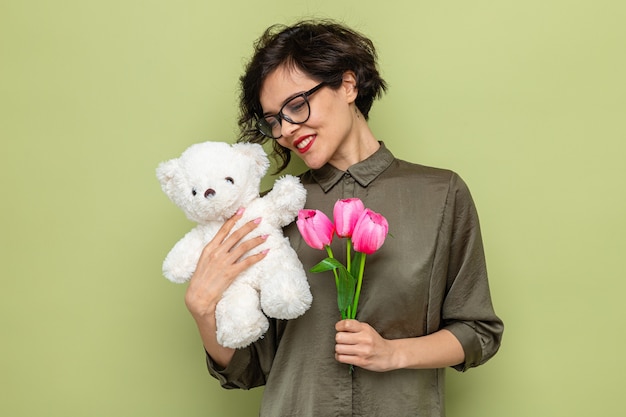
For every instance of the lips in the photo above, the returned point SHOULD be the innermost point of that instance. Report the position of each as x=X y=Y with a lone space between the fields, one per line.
x=304 y=143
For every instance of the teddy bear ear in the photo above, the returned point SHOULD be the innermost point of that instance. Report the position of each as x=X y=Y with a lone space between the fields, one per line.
x=166 y=172
x=257 y=153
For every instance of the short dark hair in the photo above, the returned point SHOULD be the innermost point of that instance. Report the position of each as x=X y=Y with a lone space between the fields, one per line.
x=322 y=49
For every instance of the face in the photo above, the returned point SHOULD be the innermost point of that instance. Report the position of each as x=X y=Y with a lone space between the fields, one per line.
x=330 y=132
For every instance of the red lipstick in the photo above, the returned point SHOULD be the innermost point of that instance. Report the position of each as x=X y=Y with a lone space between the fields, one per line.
x=309 y=138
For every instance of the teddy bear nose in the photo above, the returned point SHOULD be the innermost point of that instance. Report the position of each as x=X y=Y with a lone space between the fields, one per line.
x=209 y=192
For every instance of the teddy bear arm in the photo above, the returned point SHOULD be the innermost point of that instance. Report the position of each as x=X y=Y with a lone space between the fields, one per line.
x=286 y=198
x=180 y=263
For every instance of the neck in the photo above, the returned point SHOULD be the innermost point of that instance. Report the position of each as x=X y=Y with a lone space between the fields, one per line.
x=359 y=147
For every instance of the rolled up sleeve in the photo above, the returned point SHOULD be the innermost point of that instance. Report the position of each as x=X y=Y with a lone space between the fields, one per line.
x=467 y=310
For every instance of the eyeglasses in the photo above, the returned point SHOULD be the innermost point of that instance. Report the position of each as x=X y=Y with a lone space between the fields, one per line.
x=296 y=110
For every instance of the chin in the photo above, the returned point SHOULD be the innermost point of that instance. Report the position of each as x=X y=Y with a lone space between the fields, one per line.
x=314 y=164
x=313 y=160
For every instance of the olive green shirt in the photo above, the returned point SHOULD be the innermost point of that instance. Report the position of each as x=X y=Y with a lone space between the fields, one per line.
x=430 y=274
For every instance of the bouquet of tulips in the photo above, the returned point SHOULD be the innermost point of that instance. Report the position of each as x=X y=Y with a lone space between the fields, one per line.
x=365 y=232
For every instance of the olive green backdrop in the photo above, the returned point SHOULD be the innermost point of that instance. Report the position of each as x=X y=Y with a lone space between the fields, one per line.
x=525 y=99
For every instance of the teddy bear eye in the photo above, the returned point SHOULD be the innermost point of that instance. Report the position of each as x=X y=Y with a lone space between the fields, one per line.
x=230 y=180
x=193 y=191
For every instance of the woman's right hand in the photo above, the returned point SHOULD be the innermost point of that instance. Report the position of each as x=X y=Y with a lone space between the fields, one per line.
x=219 y=264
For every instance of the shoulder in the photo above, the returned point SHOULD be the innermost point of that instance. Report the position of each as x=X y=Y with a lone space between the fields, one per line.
x=446 y=183
x=418 y=172
x=400 y=165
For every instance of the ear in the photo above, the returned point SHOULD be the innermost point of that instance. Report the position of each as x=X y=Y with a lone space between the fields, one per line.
x=349 y=85
x=166 y=172
x=257 y=154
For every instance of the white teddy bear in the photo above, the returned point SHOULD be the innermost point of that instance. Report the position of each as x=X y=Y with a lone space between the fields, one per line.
x=210 y=182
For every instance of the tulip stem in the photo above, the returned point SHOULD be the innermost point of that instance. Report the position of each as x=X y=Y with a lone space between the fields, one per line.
x=349 y=255
x=358 y=285
x=349 y=268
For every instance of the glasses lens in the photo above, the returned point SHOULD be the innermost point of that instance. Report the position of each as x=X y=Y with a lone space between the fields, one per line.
x=269 y=126
x=296 y=110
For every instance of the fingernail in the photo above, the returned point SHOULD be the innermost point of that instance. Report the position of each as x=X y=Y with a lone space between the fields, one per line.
x=264 y=237
x=257 y=220
x=264 y=251
x=240 y=211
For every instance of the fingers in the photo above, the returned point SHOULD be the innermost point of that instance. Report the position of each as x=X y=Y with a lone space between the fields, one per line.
x=226 y=251
x=221 y=261
x=360 y=345
x=248 y=261
x=234 y=247
x=350 y=333
x=224 y=241
x=348 y=325
x=347 y=338
x=228 y=225
x=236 y=237
x=350 y=349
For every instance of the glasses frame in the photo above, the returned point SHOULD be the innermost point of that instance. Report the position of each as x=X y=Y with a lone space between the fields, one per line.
x=280 y=116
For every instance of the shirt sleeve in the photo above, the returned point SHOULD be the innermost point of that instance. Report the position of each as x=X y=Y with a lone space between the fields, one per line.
x=467 y=310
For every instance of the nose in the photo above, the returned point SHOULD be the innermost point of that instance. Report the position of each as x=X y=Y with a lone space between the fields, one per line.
x=209 y=192
x=287 y=128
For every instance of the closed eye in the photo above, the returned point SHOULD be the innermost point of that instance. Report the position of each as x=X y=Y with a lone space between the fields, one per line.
x=296 y=105
x=230 y=180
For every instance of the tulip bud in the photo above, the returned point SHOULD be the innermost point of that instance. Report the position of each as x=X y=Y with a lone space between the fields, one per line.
x=370 y=232
x=346 y=213
x=315 y=227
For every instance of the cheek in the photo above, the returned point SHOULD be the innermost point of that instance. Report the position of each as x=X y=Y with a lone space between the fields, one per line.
x=321 y=118
x=322 y=112
x=332 y=123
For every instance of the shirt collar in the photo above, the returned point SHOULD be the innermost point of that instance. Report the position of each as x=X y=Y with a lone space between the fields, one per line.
x=363 y=172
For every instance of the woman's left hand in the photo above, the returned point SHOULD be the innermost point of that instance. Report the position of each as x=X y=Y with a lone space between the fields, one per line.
x=360 y=345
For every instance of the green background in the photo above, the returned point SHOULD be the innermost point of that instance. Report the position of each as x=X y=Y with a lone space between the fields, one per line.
x=525 y=99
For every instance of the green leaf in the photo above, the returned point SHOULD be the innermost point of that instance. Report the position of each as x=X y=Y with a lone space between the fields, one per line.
x=345 y=290
x=346 y=282
x=356 y=263
x=327 y=265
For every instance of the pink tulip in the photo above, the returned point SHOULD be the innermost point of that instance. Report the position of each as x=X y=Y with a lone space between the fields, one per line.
x=315 y=227
x=370 y=232
x=346 y=213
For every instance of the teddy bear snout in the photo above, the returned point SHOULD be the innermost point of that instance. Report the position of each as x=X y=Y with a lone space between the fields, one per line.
x=210 y=192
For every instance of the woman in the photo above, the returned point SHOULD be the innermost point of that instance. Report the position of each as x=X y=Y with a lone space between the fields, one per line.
x=425 y=302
